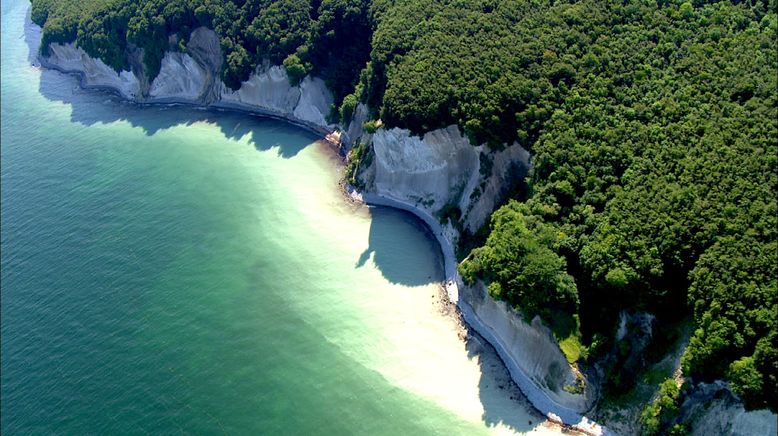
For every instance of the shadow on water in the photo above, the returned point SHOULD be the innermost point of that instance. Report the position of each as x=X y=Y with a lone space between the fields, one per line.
x=500 y=396
x=397 y=265
x=91 y=106
x=401 y=256
x=403 y=262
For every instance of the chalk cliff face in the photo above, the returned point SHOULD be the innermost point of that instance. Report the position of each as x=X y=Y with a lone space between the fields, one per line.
x=68 y=57
x=180 y=76
x=315 y=102
x=529 y=350
x=268 y=87
x=193 y=77
x=712 y=409
x=442 y=169
x=420 y=174
x=430 y=171
x=427 y=173
x=355 y=130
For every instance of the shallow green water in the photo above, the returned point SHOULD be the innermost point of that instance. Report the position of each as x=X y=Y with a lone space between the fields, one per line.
x=169 y=270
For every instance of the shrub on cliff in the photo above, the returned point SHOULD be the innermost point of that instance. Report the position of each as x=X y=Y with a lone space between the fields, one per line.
x=657 y=415
x=519 y=263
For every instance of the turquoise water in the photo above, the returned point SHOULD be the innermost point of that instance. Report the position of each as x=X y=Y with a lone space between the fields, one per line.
x=171 y=270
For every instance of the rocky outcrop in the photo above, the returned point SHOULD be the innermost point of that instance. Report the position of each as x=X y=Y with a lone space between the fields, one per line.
x=316 y=101
x=430 y=171
x=355 y=129
x=529 y=352
x=180 y=76
x=95 y=73
x=421 y=174
x=268 y=88
x=530 y=349
x=711 y=408
x=443 y=170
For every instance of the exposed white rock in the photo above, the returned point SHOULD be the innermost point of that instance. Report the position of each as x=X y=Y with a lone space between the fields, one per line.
x=205 y=48
x=443 y=168
x=712 y=409
x=427 y=171
x=94 y=73
x=529 y=352
x=315 y=101
x=193 y=77
x=268 y=88
x=180 y=77
x=355 y=130
x=485 y=191
x=527 y=348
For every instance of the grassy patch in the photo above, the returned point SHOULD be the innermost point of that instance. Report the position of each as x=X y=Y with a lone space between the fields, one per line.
x=567 y=331
x=572 y=348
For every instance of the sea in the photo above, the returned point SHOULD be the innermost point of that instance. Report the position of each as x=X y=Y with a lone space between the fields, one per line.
x=175 y=270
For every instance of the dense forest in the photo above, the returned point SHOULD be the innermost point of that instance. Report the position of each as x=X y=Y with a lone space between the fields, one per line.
x=652 y=125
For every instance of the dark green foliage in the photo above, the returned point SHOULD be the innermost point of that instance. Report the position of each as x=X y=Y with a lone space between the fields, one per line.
x=658 y=167
x=279 y=28
x=251 y=31
x=519 y=263
x=340 y=43
x=450 y=213
x=347 y=108
x=295 y=68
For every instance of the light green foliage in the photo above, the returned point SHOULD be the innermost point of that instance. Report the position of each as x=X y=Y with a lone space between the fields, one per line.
x=347 y=108
x=370 y=126
x=657 y=415
x=572 y=348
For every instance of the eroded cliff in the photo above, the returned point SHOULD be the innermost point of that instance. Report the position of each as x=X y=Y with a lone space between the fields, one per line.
x=193 y=77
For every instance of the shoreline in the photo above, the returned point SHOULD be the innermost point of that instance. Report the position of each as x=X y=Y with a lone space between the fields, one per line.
x=219 y=106
x=567 y=420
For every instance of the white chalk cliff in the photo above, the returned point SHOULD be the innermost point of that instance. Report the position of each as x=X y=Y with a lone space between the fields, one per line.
x=439 y=169
x=442 y=168
x=711 y=408
x=68 y=57
x=193 y=77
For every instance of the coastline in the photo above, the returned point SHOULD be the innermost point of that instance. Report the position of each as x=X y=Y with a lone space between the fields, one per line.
x=554 y=413
x=451 y=281
x=220 y=106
